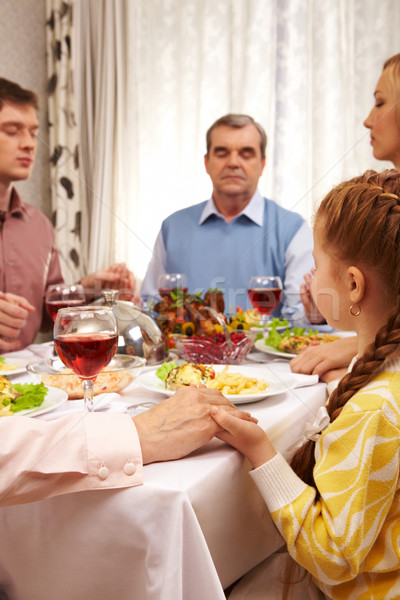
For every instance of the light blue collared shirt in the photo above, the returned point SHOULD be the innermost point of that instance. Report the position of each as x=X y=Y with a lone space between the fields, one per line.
x=264 y=239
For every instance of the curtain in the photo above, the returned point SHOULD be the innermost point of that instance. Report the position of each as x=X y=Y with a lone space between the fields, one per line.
x=100 y=75
x=152 y=75
x=306 y=70
x=63 y=139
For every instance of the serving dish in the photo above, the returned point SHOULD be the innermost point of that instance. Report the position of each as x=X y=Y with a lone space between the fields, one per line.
x=230 y=347
x=118 y=374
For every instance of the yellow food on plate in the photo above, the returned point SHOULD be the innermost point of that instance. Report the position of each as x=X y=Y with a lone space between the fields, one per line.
x=294 y=343
x=7 y=391
x=252 y=317
x=237 y=384
x=5 y=366
x=189 y=374
x=111 y=381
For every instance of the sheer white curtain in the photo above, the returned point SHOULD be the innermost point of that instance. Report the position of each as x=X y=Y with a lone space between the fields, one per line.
x=154 y=74
x=305 y=69
x=100 y=75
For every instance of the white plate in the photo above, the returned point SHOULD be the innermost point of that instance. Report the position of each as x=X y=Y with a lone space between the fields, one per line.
x=261 y=345
x=52 y=400
x=21 y=366
x=278 y=383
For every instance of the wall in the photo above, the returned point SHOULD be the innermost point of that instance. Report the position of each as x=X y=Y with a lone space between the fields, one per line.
x=23 y=59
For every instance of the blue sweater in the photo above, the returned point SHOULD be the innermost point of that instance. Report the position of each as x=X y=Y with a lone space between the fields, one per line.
x=217 y=254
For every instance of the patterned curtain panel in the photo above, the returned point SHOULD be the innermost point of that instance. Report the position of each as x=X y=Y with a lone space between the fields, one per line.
x=64 y=138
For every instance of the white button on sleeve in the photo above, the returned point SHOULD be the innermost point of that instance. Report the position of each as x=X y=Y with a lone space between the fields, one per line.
x=122 y=449
x=103 y=472
x=129 y=468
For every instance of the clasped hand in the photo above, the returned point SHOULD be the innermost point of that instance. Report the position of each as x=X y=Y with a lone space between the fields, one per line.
x=116 y=276
x=182 y=423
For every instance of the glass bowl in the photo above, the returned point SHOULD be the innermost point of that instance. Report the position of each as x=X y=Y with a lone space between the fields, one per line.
x=118 y=374
x=217 y=349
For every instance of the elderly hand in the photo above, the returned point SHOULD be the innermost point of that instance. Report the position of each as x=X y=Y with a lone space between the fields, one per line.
x=181 y=424
x=329 y=361
x=14 y=311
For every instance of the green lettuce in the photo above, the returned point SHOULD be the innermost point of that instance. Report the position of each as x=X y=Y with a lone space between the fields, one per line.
x=165 y=368
x=275 y=337
x=32 y=395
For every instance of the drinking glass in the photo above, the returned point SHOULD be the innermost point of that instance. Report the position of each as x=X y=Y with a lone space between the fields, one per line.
x=62 y=295
x=172 y=283
x=265 y=292
x=86 y=339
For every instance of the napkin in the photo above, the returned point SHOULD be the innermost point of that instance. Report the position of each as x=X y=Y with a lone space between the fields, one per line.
x=301 y=379
x=102 y=403
x=304 y=380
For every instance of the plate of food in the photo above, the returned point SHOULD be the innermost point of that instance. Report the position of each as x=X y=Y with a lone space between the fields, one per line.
x=289 y=343
x=12 y=366
x=54 y=398
x=28 y=399
x=240 y=384
x=115 y=377
x=263 y=347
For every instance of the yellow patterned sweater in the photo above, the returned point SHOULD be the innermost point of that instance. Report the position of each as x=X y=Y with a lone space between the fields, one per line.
x=348 y=539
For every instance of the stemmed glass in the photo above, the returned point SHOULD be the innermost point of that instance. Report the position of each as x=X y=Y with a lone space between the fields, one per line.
x=169 y=283
x=61 y=295
x=265 y=294
x=86 y=339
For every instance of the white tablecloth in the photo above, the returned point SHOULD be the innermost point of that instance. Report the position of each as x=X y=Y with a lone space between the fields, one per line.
x=193 y=528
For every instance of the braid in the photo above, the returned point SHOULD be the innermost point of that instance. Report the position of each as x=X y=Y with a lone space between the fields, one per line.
x=361 y=221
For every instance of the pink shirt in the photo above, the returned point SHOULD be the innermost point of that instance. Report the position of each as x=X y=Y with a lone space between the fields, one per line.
x=81 y=451
x=29 y=260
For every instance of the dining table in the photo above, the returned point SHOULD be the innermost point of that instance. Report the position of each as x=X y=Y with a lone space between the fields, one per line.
x=193 y=527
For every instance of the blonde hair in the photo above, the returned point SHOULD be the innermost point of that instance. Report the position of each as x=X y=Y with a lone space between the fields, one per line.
x=392 y=66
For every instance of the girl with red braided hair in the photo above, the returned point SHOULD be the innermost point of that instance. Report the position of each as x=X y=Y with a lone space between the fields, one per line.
x=337 y=502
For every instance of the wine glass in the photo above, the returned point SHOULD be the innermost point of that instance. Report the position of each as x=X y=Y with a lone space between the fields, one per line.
x=264 y=292
x=62 y=295
x=169 y=283
x=86 y=339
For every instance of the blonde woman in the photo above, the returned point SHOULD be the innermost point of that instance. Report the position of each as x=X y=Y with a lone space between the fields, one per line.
x=331 y=361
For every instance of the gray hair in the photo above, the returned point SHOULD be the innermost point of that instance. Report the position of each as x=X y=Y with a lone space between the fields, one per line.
x=238 y=121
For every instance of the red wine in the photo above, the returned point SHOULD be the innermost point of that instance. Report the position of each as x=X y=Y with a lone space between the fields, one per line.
x=86 y=353
x=265 y=300
x=165 y=292
x=53 y=307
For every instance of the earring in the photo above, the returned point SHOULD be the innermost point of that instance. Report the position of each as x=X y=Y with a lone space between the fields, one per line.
x=358 y=311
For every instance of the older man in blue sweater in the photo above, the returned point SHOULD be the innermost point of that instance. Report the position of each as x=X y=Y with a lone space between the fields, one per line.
x=222 y=242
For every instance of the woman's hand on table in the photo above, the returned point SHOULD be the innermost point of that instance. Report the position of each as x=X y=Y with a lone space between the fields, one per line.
x=310 y=308
x=181 y=424
x=329 y=361
x=245 y=436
